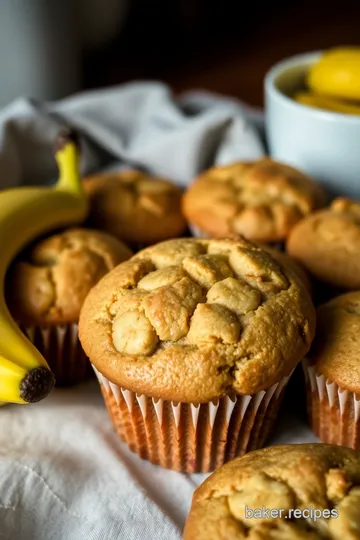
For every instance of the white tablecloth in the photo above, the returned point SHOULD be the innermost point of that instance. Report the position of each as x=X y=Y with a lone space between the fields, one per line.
x=64 y=474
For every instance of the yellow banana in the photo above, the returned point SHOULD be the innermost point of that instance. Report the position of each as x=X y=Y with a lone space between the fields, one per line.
x=326 y=103
x=337 y=74
x=26 y=213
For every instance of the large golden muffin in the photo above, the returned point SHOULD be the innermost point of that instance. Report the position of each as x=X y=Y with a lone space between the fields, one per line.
x=287 y=478
x=192 y=320
x=135 y=207
x=327 y=243
x=49 y=284
x=261 y=200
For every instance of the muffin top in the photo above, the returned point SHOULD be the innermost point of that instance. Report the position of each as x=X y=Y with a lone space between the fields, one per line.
x=336 y=348
x=261 y=200
x=328 y=243
x=302 y=476
x=192 y=320
x=287 y=260
x=135 y=207
x=49 y=282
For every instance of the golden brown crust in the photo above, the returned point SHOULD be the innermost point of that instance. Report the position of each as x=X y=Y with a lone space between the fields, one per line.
x=295 y=266
x=135 y=207
x=261 y=200
x=320 y=476
x=327 y=243
x=192 y=320
x=50 y=285
x=336 y=348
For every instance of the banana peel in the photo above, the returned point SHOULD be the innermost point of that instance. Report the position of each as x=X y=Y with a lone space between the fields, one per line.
x=326 y=103
x=337 y=74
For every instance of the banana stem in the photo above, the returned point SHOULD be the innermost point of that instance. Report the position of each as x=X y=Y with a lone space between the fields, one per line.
x=67 y=155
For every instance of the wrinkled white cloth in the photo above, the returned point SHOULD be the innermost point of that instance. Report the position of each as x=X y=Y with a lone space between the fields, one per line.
x=64 y=475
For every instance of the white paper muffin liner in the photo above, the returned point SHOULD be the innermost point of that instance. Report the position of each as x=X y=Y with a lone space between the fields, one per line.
x=191 y=437
x=334 y=412
x=62 y=350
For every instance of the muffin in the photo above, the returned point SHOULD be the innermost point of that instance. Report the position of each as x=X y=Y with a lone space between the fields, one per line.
x=182 y=338
x=333 y=372
x=261 y=200
x=290 y=492
x=47 y=286
x=327 y=243
x=135 y=207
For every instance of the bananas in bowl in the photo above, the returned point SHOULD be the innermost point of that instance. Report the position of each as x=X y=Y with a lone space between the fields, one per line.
x=333 y=82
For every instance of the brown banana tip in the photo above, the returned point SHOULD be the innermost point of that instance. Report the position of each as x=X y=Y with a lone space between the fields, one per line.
x=36 y=384
x=66 y=136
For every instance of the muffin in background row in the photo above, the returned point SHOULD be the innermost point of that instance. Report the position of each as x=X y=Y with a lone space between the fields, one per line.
x=136 y=207
x=47 y=286
x=327 y=243
x=304 y=477
x=261 y=200
x=333 y=372
x=193 y=342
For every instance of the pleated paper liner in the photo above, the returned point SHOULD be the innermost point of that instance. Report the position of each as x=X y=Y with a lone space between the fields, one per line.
x=191 y=437
x=61 y=348
x=334 y=413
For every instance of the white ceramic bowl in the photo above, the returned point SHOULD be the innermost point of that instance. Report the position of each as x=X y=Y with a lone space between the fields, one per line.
x=324 y=144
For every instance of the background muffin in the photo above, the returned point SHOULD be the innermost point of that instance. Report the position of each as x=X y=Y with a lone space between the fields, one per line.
x=303 y=477
x=327 y=243
x=135 y=207
x=261 y=200
x=333 y=372
x=47 y=286
x=183 y=339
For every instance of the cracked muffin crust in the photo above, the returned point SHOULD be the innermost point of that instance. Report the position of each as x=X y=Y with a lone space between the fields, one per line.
x=135 y=207
x=327 y=243
x=261 y=200
x=192 y=320
x=49 y=285
x=302 y=476
x=285 y=259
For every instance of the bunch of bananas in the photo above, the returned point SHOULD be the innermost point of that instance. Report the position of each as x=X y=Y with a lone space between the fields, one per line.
x=26 y=213
x=334 y=82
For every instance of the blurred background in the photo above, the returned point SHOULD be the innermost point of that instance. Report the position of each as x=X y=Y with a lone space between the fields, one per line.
x=50 y=49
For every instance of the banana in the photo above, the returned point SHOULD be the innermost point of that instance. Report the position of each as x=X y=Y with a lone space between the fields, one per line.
x=326 y=103
x=337 y=74
x=26 y=213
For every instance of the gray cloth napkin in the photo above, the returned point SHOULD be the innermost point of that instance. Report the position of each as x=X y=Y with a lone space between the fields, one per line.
x=64 y=475
x=139 y=124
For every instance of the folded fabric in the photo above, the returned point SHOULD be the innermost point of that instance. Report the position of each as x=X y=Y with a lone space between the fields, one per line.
x=140 y=125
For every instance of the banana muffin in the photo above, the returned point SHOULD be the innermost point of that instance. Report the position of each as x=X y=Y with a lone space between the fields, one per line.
x=290 y=492
x=333 y=372
x=261 y=200
x=135 y=207
x=193 y=341
x=47 y=286
x=327 y=243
